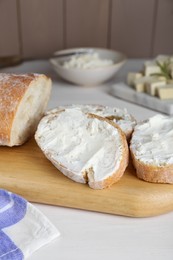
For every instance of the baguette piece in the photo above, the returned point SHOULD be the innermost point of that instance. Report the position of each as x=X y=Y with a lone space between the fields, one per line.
x=23 y=99
x=84 y=147
x=152 y=150
x=119 y=116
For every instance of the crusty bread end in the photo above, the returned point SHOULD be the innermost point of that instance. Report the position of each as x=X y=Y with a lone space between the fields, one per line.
x=23 y=100
x=153 y=173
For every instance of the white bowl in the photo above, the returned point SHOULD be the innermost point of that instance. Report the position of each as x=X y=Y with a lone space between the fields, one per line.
x=92 y=76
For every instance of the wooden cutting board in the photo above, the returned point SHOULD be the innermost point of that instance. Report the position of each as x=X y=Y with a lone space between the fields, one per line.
x=25 y=171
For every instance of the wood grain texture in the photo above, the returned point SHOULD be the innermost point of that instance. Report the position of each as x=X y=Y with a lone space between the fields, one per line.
x=41 y=27
x=87 y=23
x=132 y=27
x=25 y=170
x=9 y=41
x=163 y=41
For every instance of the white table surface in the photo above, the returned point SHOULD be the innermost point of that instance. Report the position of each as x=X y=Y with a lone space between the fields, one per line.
x=97 y=236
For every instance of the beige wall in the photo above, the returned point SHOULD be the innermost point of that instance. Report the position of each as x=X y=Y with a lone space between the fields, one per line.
x=36 y=28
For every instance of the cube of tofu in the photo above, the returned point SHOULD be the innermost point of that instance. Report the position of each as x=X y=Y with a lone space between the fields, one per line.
x=150 y=67
x=171 y=70
x=172 y=74
x=162 y=58
x=165 y=92
x=141 y=83
x=131 y=78
x=170 y=81
x=152 y=85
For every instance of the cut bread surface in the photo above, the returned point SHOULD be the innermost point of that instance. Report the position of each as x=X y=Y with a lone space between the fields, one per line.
x=152 y=150
x=84 y=147
x=119 y=116
x=23 y=100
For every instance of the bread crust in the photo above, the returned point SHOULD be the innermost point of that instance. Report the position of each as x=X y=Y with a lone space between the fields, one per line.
x=149 y=149
x=116 y=176
x=13 y=88
x=129 y=133
x=11 y=93
x=87 y=177
x=153 y=173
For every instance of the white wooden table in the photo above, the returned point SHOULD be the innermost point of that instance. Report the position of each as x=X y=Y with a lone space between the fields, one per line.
x=89 y=235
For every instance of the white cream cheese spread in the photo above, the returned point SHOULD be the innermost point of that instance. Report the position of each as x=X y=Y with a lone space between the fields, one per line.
x=152 y=141
x=81 y=144
x=86 y=61
x=117 y=115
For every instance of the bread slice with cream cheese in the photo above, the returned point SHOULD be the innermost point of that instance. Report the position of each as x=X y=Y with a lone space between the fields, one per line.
x=85 y=147
x=119 y=116
x=152 y=150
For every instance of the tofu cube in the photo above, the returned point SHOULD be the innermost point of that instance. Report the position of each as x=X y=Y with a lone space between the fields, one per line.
x=165 y=92
x=140 y=83
x=171 y=70
x=131 y=78
x=150 y=67
x=170 y=81
x=162 y=58
x=172 y=74
x=151 y=86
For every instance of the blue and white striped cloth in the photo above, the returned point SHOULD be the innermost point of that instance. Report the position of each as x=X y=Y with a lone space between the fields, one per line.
x=23 y=228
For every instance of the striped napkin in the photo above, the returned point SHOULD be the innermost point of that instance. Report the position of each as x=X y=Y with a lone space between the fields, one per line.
x=23 y=228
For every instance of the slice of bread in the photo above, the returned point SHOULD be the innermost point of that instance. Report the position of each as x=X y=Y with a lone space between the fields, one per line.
x=84 y=147
x=119 y=116
x=23 y=99
x=152 y=150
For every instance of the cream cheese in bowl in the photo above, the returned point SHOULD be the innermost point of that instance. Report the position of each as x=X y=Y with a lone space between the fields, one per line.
x=86 y=61
x=92 y=67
